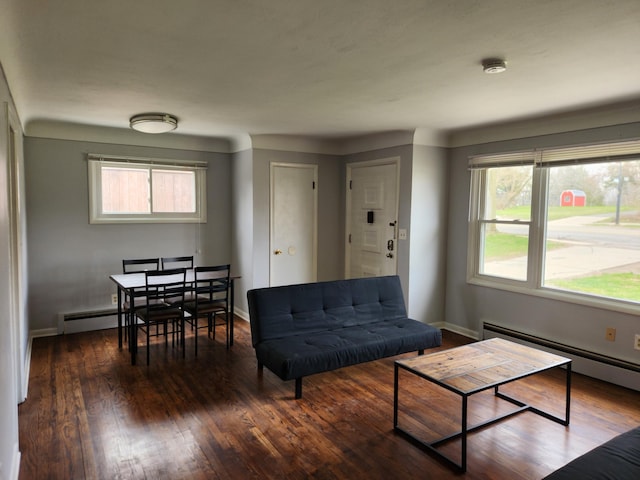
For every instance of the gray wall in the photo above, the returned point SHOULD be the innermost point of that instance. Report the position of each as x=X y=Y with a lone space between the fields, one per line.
x=242 y=226
x=330 y=211
x=70 y=260
x=467 y=306
x=427 y=236
x=422 y=211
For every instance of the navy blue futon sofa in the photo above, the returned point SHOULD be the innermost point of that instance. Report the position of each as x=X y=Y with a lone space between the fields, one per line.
x=299 y=330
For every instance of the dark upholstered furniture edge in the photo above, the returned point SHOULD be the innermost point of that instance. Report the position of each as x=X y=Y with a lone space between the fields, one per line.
x=299 y=330
x=618 y=459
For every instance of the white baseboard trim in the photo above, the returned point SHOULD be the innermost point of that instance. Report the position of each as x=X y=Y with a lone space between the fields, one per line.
x=43 y=332
x=461 y=330
x=27 y=369
x=438 y=325
x=14 y=471
x=241 y=313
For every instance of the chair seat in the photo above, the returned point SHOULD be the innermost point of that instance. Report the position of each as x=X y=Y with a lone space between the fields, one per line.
x=211 y=287
x=140 y=303
x=188 y=297
x=159 y=315
x=205 y=306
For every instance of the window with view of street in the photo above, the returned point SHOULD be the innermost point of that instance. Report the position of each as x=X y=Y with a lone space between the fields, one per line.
x=569 y=225
x=593 y=240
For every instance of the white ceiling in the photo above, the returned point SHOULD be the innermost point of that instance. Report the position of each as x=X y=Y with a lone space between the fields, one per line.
x=325 y=68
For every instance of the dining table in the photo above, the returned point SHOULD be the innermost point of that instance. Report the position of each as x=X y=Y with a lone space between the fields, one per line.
x=128 y=284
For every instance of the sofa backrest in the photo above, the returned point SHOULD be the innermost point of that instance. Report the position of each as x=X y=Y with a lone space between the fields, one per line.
x=278 y=312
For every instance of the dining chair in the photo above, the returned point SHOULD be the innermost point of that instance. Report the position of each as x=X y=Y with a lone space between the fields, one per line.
x=138 y=265
x=163 y=296
x=211 y=299
x=130 y=266
x=176 y=262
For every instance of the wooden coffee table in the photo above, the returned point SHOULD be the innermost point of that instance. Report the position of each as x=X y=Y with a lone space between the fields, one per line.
x=476 y=367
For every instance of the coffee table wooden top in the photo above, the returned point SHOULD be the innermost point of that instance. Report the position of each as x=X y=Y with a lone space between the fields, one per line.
x=481 y=365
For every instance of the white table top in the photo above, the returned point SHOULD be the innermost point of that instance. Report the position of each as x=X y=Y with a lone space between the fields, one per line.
x=137 y=280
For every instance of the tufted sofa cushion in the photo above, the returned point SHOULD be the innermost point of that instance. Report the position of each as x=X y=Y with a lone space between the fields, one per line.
x=290 y=310
x=298 y=330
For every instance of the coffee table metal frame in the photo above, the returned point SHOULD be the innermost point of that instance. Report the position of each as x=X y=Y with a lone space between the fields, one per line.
x=465 y=429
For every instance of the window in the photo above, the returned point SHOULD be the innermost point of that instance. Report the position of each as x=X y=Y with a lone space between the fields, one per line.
x=127 y=190
x=562 y=221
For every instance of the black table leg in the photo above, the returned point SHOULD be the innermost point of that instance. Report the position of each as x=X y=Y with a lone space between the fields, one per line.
x=119 y=318
x=232 y=305
x=133 y=333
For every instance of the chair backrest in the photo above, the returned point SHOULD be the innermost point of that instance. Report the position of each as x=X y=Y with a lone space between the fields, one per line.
x=212 y=282
x=139 y=265
x=163 y=287
x=176 y=262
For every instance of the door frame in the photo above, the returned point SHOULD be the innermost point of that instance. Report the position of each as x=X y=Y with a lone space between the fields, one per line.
x=314 y=246
x=17 y=255
x=365 y=164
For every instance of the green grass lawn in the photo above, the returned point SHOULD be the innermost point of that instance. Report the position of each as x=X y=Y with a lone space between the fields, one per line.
x=625 y=286
x=503 y=245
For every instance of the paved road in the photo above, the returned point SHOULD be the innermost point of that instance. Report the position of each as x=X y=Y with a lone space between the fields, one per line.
x=593 y=247
x=585 y=230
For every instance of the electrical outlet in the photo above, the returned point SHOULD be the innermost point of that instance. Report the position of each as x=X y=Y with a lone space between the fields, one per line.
x=611 y=334
x=636 y=343
x=114 y=299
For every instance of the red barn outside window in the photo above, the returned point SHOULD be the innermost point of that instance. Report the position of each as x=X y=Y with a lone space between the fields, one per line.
x=573 y=198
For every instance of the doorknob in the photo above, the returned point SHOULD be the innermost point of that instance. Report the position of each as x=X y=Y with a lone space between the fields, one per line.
x=389 y=255
x=277 y=251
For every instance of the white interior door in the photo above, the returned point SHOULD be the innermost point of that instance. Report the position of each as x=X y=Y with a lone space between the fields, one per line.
x=293 y=209
x=372 y=206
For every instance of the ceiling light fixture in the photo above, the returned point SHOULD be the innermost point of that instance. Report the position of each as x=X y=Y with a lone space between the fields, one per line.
x=153 y=122
x=494 y=65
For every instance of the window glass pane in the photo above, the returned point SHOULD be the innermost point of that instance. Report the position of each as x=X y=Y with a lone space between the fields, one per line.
x=593 y=229
x=125 y=190
x=508 y=193
x=504 y=244
x=504 y=250
x=174 y=191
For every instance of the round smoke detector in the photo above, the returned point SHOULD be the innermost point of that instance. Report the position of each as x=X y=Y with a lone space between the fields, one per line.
x=494 y=65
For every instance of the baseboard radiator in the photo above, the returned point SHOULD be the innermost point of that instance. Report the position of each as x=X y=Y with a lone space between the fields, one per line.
x=86 y=320
x=561 y=347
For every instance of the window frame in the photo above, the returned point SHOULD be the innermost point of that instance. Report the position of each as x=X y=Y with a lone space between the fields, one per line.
x=98 y=216
x=541 y=160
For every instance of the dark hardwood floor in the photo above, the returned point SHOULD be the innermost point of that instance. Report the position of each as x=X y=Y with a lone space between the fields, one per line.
x=90 y=414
